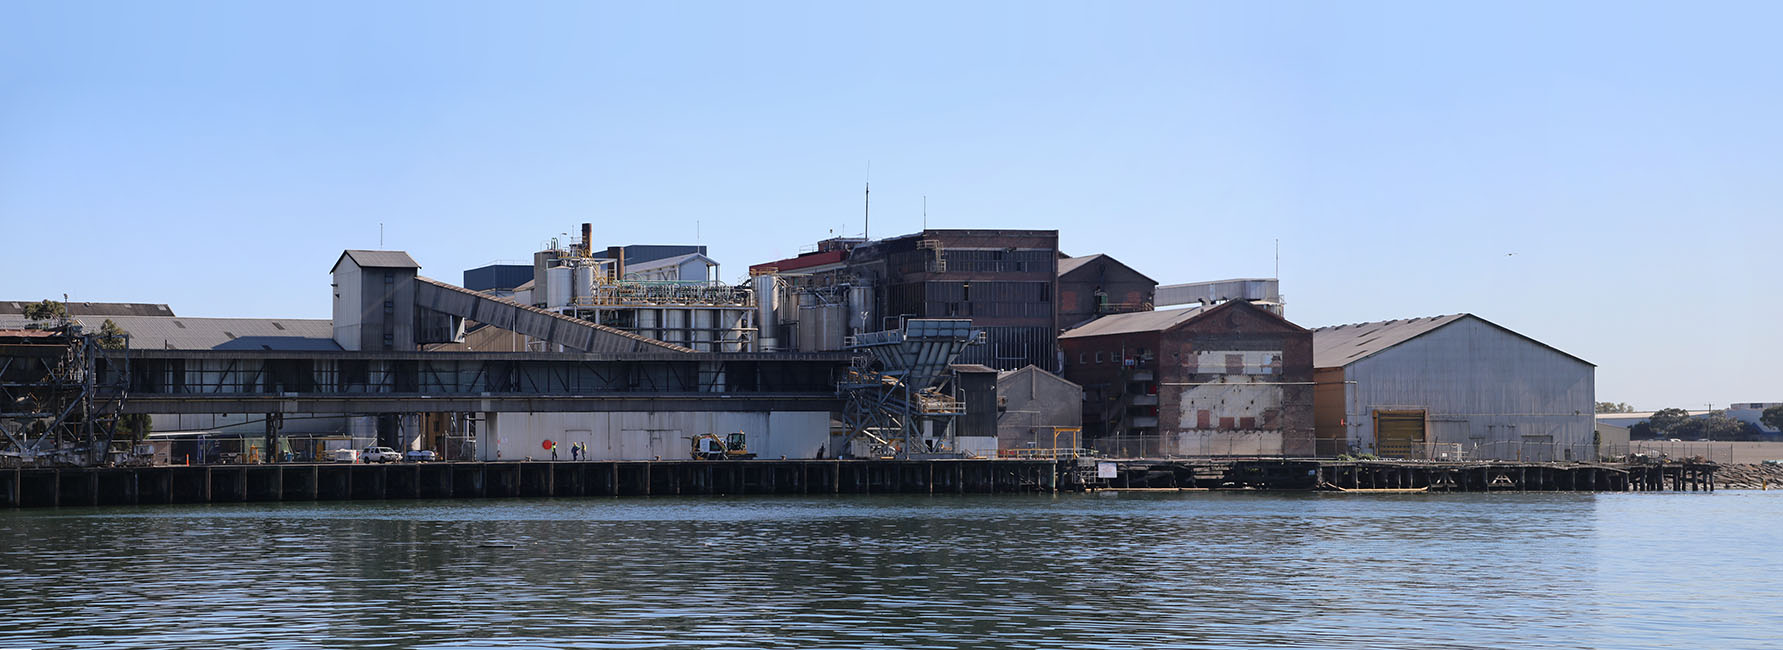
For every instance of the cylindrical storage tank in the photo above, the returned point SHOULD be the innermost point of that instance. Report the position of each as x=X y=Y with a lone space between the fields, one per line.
x=730 y=323
x=584 y=285
x=835 y=324
x=647 y=324
x=702 y=332
x=767 y=298
x=674 y=323
x=860 y=307
x=557 y=286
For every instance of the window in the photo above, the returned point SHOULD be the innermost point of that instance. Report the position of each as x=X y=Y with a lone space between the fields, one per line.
x=1098 y=357
x=1082 y=358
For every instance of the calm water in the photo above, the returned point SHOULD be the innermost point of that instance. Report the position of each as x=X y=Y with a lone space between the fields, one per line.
x=1087 y=571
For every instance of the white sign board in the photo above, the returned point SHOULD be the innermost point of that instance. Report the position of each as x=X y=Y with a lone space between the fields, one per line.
x=1105 y=470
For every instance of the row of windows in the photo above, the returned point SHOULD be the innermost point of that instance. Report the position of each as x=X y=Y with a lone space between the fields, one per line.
x=1142 y=357
x=988 y=291
x=992 y=309
x=996 y=261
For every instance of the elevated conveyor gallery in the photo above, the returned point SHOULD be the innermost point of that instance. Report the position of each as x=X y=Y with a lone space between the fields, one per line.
x=382 y=304
x=573 y=333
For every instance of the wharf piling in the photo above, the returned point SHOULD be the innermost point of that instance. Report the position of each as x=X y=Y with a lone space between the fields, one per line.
x=1408 y=476
x=50 y=487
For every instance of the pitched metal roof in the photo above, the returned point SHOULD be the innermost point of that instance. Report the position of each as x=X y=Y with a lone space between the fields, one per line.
x=1340 y=345
x=1139 y=321
x=378 y=260
x=95 y=308
x=1037 y=371
x=667 y=261
x=1070 y=264
x=181 y=333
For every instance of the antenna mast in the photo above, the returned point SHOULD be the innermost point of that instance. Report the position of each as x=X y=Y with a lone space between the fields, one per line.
x=867 y=214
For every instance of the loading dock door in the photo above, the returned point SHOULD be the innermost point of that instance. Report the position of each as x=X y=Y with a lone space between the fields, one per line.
x=1399 y=434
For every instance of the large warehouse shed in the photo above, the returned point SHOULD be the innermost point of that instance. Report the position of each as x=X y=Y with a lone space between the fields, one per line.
x=1449 y=386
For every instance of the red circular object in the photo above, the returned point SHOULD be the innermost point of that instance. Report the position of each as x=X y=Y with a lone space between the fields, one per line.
x=546 y=445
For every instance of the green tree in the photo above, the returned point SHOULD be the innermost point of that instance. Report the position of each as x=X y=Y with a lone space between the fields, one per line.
x=1772 y=417
x=1614 y=407
x=131 y=426
x=47 y=310
x=1664 y=420
x=135 y=426
x=1714 y=426
x=112 y=337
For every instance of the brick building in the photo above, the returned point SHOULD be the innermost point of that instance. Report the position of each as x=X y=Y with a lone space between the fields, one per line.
x=1232 y=379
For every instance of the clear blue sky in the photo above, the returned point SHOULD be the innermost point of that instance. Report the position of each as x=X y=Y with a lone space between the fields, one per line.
x=1604 y=177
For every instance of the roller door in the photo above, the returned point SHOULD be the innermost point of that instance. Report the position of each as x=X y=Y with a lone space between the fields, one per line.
x=1399 y=434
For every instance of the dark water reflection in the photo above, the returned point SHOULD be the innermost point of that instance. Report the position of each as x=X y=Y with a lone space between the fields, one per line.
x=1087 y=571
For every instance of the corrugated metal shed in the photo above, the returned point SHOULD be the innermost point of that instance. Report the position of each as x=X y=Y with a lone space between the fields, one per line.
x=1455 y=384
x=1144 y=321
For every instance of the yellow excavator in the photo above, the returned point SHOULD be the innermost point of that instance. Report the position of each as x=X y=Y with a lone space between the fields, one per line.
x=708 y=446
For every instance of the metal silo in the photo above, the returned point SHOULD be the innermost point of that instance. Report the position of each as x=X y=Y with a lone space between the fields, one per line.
x=557 y=286
x=584 y=283
x=767 y=295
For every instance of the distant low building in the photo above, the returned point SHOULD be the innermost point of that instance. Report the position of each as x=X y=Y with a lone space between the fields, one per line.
x=1450 y=385
x=1753 y=413
x=688 y=268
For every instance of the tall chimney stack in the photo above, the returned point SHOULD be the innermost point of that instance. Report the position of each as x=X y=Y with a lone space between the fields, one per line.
x=617 y=254
x=587 y=240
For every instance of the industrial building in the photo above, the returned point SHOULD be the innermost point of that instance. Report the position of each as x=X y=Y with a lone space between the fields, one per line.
x=1233 y=379
x=673 y=296
x=1005 y=281
x=1037 y=410
x=1456 y=387
x=1098 y=285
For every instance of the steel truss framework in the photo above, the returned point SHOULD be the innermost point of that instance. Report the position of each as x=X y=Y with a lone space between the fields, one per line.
x=897 y=395
x=61 y=395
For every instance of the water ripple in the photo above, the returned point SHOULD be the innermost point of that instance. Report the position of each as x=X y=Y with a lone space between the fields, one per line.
x=1078 y=571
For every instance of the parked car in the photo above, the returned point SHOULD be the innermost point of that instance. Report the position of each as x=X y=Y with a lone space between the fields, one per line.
x=420 y=456
x=379 y=455
x=343 y=455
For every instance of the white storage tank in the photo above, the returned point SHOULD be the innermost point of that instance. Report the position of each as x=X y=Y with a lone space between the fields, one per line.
x=584 y=285
x=557 y=286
